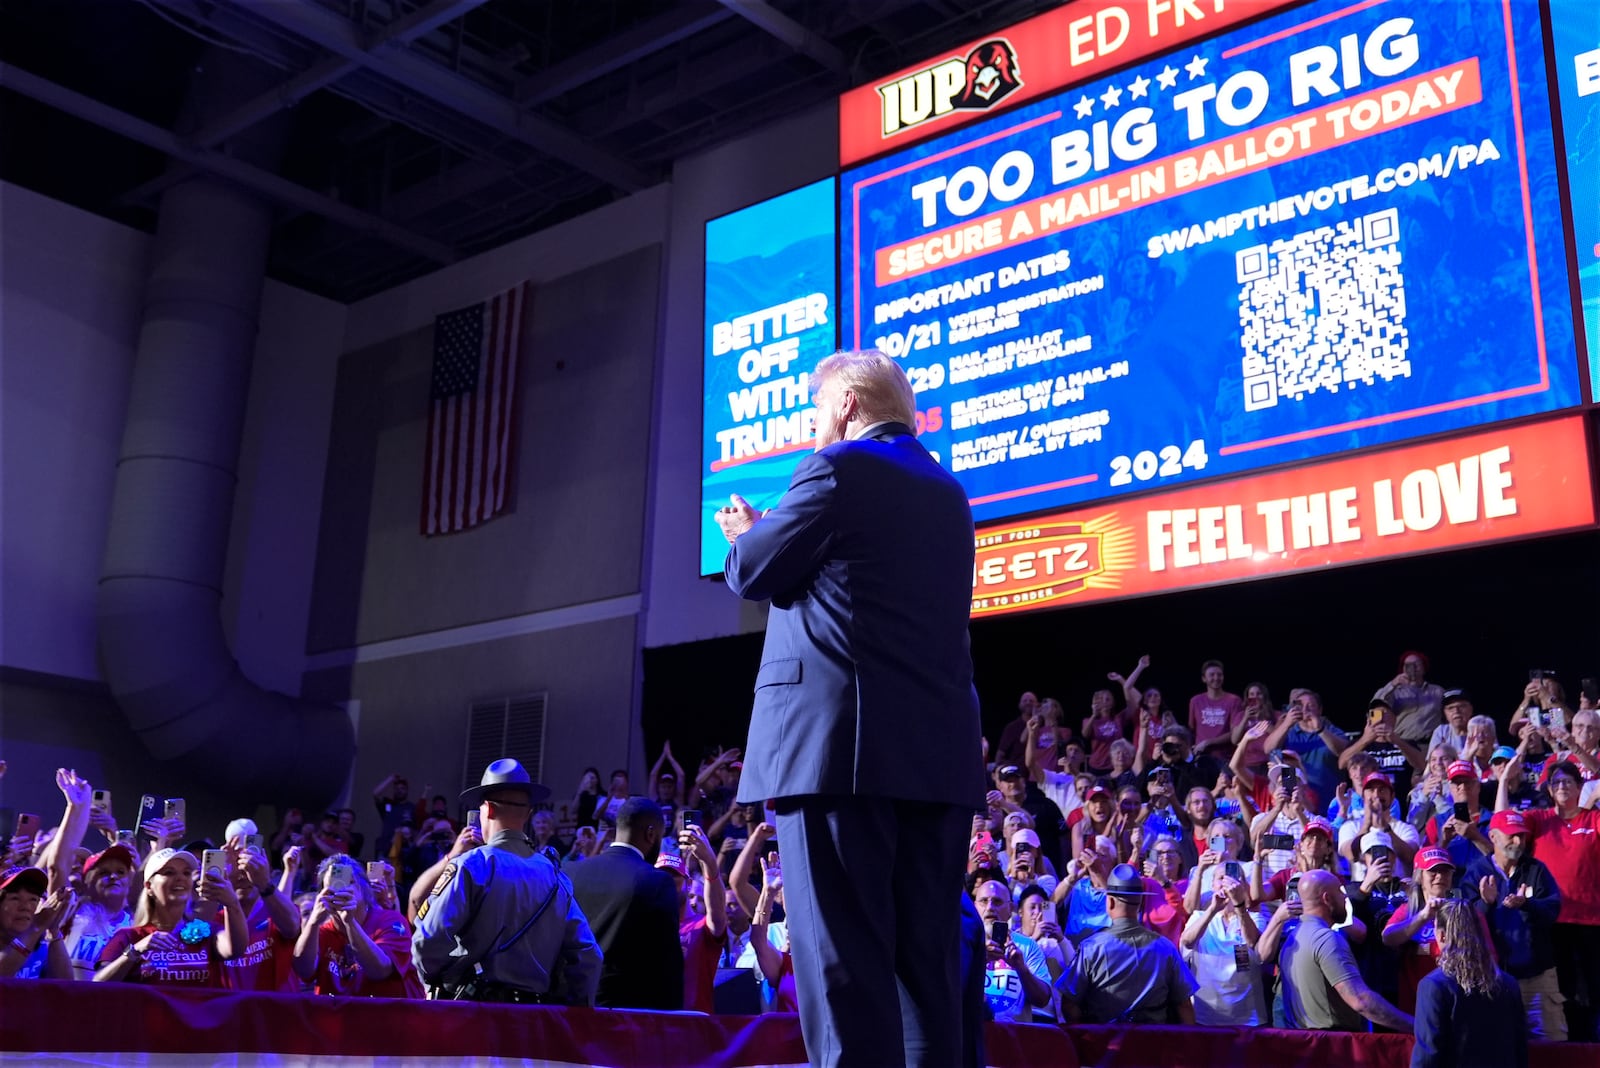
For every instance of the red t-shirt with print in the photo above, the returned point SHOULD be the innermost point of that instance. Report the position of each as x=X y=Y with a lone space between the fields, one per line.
x=196 y=965
x=267 y=962
x=1571 y=850
x=339 y=970
x=700 y=955
x=1214 y=717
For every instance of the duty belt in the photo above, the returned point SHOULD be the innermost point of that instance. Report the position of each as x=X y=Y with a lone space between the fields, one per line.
x=493 y=993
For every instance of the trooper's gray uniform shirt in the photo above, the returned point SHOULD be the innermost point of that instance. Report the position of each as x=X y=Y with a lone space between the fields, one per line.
x=502 y=913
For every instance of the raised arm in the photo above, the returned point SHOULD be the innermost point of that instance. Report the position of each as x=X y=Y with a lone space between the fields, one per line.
x=1141 y=746
x=1502 y=796
x=1236 y=764
x=1356 y=746
x=234 y=938
x=1035 y=990
x=57 y=856
x=677 y=771
x=1532 y=697
x=781 y=549
x=694 y=843
x=767 y=955
x=1413 y=755
x=655 y=773
x=1197 y=924
x=285 y=917
x=744 y=866
x=469 y=838
x=1130 y=688
x=1280 y=730
x=1030 y=751
x=1271 y=939
x=1398 y=932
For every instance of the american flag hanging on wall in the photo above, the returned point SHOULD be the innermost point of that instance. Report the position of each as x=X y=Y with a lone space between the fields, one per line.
x=467 y=473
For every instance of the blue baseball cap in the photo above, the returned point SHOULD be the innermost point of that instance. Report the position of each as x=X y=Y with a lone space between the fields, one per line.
x=1504 y=752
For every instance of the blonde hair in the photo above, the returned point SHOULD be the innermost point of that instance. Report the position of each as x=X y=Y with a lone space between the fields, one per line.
x=882 y=389
x=144 y=907
x=1463 y=953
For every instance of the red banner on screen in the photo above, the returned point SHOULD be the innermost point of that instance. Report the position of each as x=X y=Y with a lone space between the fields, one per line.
x=1069 y=44
x=1492 y=485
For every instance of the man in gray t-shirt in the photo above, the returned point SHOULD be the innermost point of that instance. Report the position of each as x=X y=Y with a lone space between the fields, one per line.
x=1322 y=987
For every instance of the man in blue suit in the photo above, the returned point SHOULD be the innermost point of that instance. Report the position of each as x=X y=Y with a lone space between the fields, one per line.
x=865 y=730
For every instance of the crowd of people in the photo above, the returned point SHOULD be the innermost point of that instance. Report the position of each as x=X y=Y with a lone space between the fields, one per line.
x=1231 y=862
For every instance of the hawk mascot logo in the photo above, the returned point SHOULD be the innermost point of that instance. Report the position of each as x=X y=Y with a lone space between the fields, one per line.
x=991 y=75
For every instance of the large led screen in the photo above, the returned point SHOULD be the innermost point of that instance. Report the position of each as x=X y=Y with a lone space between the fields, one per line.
x=1497 y=484
x=1334 y=228
x=769 y=317
x=1575 y=29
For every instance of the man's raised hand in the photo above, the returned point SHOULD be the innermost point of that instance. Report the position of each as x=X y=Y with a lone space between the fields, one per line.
x=736 y=517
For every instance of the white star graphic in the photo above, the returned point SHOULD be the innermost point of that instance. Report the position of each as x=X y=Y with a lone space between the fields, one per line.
x=1111 y=97
x=1196 y=67
x=1168 y=77
x=1139 y=87
x=1084 y=107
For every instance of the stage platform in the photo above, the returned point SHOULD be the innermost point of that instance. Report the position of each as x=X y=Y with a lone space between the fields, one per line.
x=46 y=1023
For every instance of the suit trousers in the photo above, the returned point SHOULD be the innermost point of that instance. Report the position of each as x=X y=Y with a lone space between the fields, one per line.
x=1578 y=970
x=872 y=904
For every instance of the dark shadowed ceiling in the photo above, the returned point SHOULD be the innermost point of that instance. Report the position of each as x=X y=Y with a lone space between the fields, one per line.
x=429 y=131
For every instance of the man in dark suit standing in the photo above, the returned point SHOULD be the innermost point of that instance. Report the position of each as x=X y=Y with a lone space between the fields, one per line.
x=632 y=909
x=865 y=729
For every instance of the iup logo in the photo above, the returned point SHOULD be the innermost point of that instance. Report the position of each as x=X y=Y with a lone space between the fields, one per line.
x=985 y=77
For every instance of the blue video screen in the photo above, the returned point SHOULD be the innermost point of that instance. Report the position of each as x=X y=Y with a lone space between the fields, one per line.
x=769 y=318
x=1334 y=228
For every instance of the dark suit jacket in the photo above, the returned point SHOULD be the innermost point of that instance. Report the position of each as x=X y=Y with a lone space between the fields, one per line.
x=632 y=908
x=865 y=685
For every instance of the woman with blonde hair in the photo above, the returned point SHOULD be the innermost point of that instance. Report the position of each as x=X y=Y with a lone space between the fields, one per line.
x=1469 y=1012
x=169 y=944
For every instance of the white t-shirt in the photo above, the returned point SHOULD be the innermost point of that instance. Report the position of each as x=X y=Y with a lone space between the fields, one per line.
x=1273 y=861
x=1228 y=996
x=91 y=929
x=1060 y=788
x=1397 y=829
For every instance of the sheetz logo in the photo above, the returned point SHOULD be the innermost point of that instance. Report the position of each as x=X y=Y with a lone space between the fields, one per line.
x=985 y=77
x=1026 y=564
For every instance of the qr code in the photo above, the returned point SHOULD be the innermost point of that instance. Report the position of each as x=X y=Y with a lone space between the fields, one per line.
x=1324 y=309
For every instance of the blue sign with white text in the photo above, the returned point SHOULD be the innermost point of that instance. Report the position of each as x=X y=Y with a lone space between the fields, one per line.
x=769 y=311
x=1334 y=228
x=1575 y=27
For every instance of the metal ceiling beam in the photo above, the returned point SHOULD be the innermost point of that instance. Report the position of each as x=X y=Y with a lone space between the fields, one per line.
x=330 y=31
x=288 y=93
x=614 y=53
x=599 y=119
x=813 y=46
x=400 y=32
x=269 y=185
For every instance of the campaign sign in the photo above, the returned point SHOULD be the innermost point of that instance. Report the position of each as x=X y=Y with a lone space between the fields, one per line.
x=1333 y=228
x=1575 y=27
x=769 y=312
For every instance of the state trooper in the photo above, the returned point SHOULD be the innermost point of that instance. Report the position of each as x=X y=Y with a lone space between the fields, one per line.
x=1127 y=973
x=501 y=923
